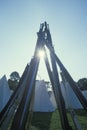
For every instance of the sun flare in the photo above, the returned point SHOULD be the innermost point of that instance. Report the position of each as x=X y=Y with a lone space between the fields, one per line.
x=41 y=54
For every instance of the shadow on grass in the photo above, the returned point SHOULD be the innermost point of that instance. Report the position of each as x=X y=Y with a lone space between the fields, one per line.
x=41 y=120
x=81 y=112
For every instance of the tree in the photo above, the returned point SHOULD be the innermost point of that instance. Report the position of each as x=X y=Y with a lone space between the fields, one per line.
x=14 y=76
x=14 y=80
x=82 y=83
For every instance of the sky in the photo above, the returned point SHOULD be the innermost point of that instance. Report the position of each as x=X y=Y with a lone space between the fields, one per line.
x=19 y=23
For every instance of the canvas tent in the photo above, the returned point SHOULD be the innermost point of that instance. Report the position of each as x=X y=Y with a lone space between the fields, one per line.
x=45 y=101
x=5 y=92
x=70 y=98
x=85 y=93
x=51 y=95
x=42 y=102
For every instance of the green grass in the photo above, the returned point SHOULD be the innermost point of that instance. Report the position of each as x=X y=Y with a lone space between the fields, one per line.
x=51 y=121
x=82 y=117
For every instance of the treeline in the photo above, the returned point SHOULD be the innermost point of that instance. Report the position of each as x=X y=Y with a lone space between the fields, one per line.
x=15 y=77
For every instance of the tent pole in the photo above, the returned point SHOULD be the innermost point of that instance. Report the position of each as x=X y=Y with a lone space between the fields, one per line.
x=56 y=84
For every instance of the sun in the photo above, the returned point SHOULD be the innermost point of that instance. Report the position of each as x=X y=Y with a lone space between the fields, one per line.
x=41 y=54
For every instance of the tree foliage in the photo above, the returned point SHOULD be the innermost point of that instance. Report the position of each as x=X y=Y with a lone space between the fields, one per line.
x=82 y=83
x=14 y=76
x=13 y=80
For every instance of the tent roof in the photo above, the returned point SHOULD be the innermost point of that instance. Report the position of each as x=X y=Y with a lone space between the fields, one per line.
x=5 y=92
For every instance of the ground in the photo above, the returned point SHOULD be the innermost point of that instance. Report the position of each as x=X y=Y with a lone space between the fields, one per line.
x=51 y=120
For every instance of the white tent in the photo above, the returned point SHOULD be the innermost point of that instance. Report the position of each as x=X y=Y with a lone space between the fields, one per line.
x=45 y=100
x=70 y=98
x=52 y=97
x=85 y=93
x=5 y=92
x=42 y=102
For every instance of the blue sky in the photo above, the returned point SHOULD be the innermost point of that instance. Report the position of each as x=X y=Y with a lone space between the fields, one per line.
x=19 y=24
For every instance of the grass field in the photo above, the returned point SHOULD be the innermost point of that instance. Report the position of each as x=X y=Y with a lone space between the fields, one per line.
x=51 y=121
